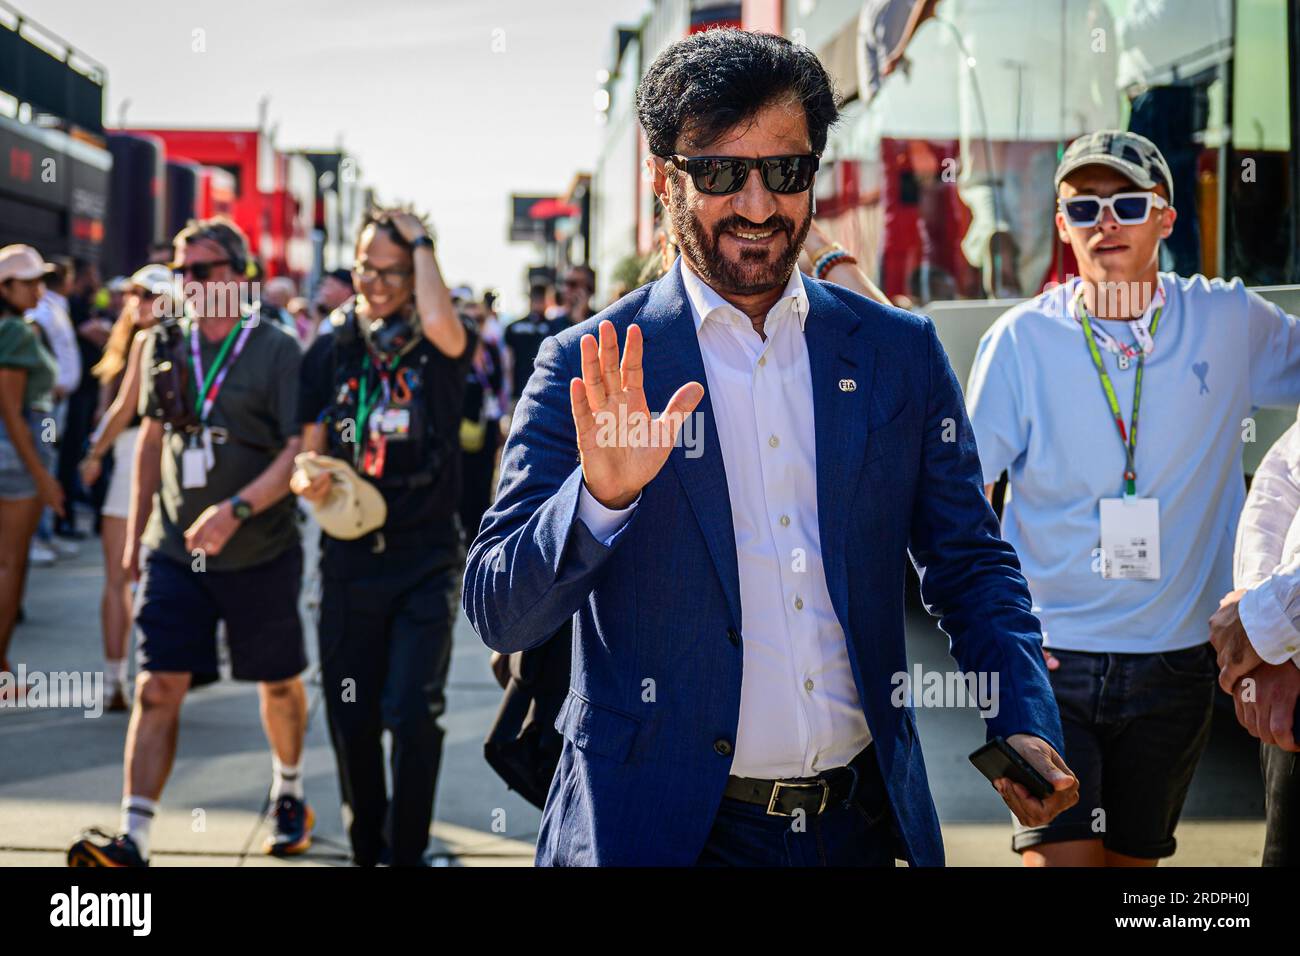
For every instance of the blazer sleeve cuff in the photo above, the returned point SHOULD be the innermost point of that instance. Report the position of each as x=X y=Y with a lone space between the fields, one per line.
x=603 y=523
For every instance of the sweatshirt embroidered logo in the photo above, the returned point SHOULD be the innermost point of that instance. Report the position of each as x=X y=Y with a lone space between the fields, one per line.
x=1201 y=369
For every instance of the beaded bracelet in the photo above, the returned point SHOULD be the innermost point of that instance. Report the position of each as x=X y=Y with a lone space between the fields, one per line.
x=829 y=247
x=830 y=261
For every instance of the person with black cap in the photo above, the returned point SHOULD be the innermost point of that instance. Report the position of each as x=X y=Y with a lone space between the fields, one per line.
x=332 y=292
x=1126 y=536
x=382 y=396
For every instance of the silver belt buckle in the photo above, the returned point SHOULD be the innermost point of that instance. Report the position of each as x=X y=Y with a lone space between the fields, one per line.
x=776 y=792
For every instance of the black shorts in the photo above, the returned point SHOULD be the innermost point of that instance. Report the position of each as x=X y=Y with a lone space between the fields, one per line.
x=177 y=610
x=1135 y=726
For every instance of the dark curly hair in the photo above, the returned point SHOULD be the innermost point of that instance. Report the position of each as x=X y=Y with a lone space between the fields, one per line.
x=381 y=217
x=712 y=81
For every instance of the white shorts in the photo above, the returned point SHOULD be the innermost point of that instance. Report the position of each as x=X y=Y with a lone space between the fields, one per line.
x=117 y=503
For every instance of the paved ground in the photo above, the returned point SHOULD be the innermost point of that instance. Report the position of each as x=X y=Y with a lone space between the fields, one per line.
x=60 y=771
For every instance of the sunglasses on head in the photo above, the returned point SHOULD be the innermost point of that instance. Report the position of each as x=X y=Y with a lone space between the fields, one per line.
x=202 y=271
x=1129 y=209
x=722 y=175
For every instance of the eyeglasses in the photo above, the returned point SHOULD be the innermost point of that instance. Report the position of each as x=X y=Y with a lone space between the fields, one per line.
x=723 y=175
x=202 y=271
x=1129 y=209
x=390 y=277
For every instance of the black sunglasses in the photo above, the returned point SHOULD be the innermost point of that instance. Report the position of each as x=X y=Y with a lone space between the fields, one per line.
x=202 y=270
x=722 y=175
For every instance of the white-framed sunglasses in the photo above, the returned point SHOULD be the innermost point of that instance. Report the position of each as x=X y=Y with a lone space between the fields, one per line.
x=1129 y=209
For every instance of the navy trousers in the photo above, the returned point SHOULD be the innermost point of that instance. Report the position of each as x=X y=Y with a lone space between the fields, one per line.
x=858 y=831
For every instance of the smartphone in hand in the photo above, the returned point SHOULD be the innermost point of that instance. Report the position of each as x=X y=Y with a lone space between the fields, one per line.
x=997 y=758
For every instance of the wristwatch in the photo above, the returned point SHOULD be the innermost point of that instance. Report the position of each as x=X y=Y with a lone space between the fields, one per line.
x=241 y=508
x=423 y=240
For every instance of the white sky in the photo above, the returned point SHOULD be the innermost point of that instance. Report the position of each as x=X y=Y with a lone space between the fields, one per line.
x=413 y=88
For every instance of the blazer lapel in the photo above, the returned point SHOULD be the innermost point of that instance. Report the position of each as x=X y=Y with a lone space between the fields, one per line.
x=672 y=358
x=842 y=364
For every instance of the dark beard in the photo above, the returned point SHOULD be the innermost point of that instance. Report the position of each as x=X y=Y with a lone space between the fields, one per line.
x=746 y=277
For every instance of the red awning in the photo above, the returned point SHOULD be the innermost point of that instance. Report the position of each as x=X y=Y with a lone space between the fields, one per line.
x=551 y=209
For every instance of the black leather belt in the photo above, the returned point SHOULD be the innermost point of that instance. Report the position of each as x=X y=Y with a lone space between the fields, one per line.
x=812 y=795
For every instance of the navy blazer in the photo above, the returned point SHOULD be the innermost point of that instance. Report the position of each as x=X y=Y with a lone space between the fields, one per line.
x=650 y=719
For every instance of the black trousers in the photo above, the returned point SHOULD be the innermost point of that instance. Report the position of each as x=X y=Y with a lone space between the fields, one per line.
x=385 y=631
x=1281 y=770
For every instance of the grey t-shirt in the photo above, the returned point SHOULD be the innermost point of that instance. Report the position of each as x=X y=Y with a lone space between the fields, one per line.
x=256 y=407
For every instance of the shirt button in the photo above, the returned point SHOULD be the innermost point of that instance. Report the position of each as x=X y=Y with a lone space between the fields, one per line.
x=774 y=441
x=785 y=521
x=722 y=746
x=798 y=604
x=808 y=685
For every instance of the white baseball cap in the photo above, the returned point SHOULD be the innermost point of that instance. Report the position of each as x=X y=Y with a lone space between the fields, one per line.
x=353 y=507
x=152 y=278
x=22 y=262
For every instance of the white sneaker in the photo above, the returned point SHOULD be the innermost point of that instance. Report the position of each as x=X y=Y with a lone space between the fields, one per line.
x=41 y=556
x=64 y=548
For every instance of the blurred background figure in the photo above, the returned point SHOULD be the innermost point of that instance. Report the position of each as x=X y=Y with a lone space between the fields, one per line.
x=524 y=336
x=299 y=310
x=27 y=375
x=118 y=374
x=576 y=290
x=332 y=292
x=480 y=430
x=51 y=316
x=93 y=328
x=276 y=295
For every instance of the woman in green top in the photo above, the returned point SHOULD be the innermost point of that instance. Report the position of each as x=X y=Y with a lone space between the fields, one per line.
x=27 y=371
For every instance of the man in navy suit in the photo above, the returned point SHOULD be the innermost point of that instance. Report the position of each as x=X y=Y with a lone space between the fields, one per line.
x=739 y=613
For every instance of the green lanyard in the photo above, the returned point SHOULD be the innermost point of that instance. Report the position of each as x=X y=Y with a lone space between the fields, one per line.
x=1130 y=438
x=216 y=367
x=366 y=403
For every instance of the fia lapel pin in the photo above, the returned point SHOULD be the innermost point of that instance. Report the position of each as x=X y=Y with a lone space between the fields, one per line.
x=848 y=385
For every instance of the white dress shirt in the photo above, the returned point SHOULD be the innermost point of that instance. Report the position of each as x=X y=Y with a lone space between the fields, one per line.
x=800 y=713
x=51 y=314
x=1267 y=559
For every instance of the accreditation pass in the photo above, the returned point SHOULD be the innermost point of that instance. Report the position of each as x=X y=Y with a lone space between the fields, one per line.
x=1130 y=538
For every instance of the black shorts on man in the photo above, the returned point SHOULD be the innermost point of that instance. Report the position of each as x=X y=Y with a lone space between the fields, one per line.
x=252 y=583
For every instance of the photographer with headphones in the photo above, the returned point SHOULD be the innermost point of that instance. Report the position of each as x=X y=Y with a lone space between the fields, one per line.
x=380 y=406
x=217 y=442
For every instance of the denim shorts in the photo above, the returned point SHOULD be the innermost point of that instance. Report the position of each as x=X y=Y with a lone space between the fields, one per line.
x=1135 y=726
x=16 y=482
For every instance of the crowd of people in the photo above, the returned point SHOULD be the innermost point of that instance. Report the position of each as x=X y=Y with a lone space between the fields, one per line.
x=165 y=487
x=728 y=626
